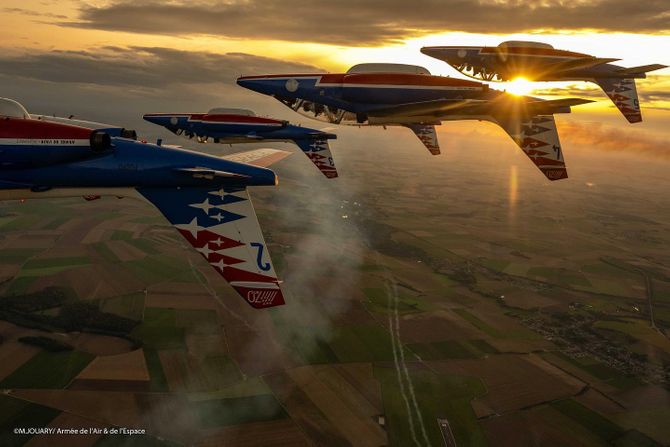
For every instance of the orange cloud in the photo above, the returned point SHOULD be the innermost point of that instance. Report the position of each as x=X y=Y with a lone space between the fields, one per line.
x=607 y=138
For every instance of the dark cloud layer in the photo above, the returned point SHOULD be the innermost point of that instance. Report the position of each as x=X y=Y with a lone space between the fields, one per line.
x=31 y=13
x=142 y=67
x=117 y=85
x=352 y=22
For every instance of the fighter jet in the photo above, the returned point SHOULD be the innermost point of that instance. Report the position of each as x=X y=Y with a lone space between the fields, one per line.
x=541 y=62
x=407 y=95
x=203 y=196
x=230 y=126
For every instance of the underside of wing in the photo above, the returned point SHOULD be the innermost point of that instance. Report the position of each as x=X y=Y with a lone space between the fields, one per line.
x=259 y=157
x=222 y=225
x=425 y=108
x=208 y=173
x=538 y=139
x=575 y=64
x=318 y=151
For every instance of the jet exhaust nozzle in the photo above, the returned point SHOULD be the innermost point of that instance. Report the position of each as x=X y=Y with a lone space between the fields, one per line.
x=100 y=141
x=128 y=133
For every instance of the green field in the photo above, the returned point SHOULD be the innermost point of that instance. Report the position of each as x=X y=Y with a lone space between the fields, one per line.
x=361 y=344
x=48 y=370
x=238 y=410
x=452 y=349
x=129 y=306
x=17 y=255
x=378 y=301
x=159 y=329
x=438 y=396
x=602 y=371
x=18 y=413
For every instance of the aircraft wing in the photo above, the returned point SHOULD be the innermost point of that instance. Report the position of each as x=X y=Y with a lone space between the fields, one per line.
x=318 y=151
x=425 y=108
x=632 y=71
x=479 y=107
x=576 y=64
x=207 y=173
x=259 y=157
x=223 y=227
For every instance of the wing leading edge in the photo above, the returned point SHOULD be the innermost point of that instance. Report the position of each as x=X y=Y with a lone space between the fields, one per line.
x=222 y=226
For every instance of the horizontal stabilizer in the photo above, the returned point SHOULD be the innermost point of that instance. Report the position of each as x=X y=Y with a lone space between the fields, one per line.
x=426 y=133
x=640 y=70
x=538 y=139
x=318 y=151
x=259 y=157
x=222 y=225
x=550 y=106
x=623 y=94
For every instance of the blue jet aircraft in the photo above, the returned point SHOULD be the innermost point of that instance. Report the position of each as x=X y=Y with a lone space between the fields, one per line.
x=243 y=126
x=407 y=95
x=203 y=196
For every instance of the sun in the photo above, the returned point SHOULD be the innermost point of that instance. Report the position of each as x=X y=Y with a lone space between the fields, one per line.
x=519 y=86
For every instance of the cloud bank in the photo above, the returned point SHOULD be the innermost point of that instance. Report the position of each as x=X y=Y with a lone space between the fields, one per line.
x=355 y=23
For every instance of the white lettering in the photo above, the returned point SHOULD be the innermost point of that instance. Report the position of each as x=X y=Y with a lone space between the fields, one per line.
x=262 y=297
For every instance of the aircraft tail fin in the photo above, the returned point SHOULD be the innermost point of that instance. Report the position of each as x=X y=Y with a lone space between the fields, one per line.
x=426 y=133
x=222 y=225
x=318 y=151
x=537 y=137
x=623 y=93
x=640 y=70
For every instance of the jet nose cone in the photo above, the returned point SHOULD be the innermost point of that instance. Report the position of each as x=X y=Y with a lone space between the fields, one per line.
x=431 y=51
x=246 y=82
x=263 y=85
x=156 y=119
x=444 y=53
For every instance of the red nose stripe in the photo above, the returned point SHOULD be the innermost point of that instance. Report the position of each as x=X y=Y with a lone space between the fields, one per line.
x=36 y=129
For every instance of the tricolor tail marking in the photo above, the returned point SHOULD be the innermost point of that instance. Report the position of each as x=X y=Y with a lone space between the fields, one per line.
x=623 y=94
x=221 y=225
x=538 y=139
x=318 y=151
x=426 y=133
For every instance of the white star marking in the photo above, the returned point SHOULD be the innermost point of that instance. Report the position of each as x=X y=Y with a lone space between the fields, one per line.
x=192 y=227
x=205 y=250
x=205 y=206
x=221 y=193
x=220 y=265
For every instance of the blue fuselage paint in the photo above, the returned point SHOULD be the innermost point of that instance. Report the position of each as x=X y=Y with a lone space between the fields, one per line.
x=237 y=132
x=127 y=164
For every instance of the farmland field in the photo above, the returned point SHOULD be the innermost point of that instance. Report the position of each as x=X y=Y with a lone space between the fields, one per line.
x=411 y=299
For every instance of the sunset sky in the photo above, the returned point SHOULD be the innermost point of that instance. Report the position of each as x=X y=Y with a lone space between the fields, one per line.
x=70 y=56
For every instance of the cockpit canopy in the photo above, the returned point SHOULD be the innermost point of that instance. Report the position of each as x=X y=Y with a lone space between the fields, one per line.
x=524 y=44
x=388 y=68
x=12 y=109
x=229 y=111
